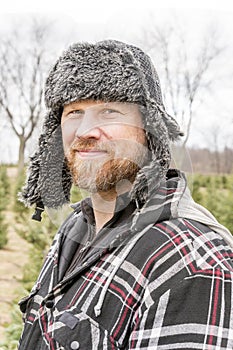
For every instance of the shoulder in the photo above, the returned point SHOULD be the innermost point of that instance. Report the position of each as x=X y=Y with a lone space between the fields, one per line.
x=181 y=250
x=207 y=248
x=190 y=244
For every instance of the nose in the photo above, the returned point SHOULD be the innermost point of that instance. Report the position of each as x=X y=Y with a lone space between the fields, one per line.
x=88 y=127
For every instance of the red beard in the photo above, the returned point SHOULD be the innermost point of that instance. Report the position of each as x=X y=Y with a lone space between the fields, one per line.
x=123 y=160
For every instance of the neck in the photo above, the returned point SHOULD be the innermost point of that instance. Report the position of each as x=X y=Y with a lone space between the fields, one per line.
x=103 y=207
x=104 y=204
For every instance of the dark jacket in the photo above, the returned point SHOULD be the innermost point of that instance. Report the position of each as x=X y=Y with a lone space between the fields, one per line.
x=163 y=281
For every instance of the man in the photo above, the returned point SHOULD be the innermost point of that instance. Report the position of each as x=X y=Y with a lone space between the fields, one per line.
x=138 y=264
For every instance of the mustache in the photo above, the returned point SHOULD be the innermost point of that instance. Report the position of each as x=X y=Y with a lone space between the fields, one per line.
x=88 y=145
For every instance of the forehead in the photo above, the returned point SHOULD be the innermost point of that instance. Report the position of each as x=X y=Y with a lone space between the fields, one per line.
x=87 y=104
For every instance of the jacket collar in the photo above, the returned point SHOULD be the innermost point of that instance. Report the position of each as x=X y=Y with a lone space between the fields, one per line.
x=163 y=202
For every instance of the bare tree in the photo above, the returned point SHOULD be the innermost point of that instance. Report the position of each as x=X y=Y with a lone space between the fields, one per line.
x=217 y=159
x=228 y=160
x=22 y=58
x=220 y=143
x=186 y=73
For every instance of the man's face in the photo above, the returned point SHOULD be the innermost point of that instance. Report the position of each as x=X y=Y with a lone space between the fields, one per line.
x=104 y=143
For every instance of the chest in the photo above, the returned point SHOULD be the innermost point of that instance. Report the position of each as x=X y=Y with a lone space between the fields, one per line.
x=100 y=300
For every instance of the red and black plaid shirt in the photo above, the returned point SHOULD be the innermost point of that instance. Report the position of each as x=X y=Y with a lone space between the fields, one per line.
x=172 y=290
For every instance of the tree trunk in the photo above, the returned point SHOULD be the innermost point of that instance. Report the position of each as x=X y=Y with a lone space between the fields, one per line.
x=22 y=145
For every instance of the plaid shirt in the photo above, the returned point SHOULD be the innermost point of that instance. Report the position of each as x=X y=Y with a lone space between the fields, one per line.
x=166 y=284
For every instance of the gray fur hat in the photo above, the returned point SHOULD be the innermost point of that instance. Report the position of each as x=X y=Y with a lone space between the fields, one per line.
x=110 y=71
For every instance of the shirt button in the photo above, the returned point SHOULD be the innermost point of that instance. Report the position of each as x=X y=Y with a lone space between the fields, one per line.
x=74 y=345
x=49 y=304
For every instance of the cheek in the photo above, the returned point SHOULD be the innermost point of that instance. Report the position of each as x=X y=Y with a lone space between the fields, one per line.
x=133 y=133
x=126 y=132
x=141 y=136
x=113 y=131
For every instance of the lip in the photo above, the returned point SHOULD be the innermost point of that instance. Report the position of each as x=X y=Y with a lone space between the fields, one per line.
x=91 y=153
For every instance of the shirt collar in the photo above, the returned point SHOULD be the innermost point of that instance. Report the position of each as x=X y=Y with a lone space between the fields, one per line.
x=122 y=202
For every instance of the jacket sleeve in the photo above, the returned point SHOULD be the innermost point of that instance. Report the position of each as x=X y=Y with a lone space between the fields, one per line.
x=195 y=314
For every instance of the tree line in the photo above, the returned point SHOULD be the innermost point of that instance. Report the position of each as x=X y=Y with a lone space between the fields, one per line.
x=203 y=160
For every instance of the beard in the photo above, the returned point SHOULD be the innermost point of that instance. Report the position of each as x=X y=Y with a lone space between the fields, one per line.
x=120 y=164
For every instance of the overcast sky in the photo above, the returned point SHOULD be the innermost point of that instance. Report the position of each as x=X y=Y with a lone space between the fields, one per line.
x=124 y=19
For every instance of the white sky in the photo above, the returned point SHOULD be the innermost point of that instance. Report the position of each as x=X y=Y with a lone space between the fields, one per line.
x=109 y=6
x=123 y=19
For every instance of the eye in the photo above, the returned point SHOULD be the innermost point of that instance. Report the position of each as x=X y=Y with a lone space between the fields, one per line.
x=110 y=110
x=76 y=113
x=110 y=113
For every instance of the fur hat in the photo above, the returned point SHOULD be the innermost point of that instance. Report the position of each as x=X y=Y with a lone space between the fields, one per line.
x=110 y=71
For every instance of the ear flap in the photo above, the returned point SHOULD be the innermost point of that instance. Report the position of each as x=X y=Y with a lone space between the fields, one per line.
x=173 y=128
x=30 y=193
x=49 y=180
x=54 y=179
